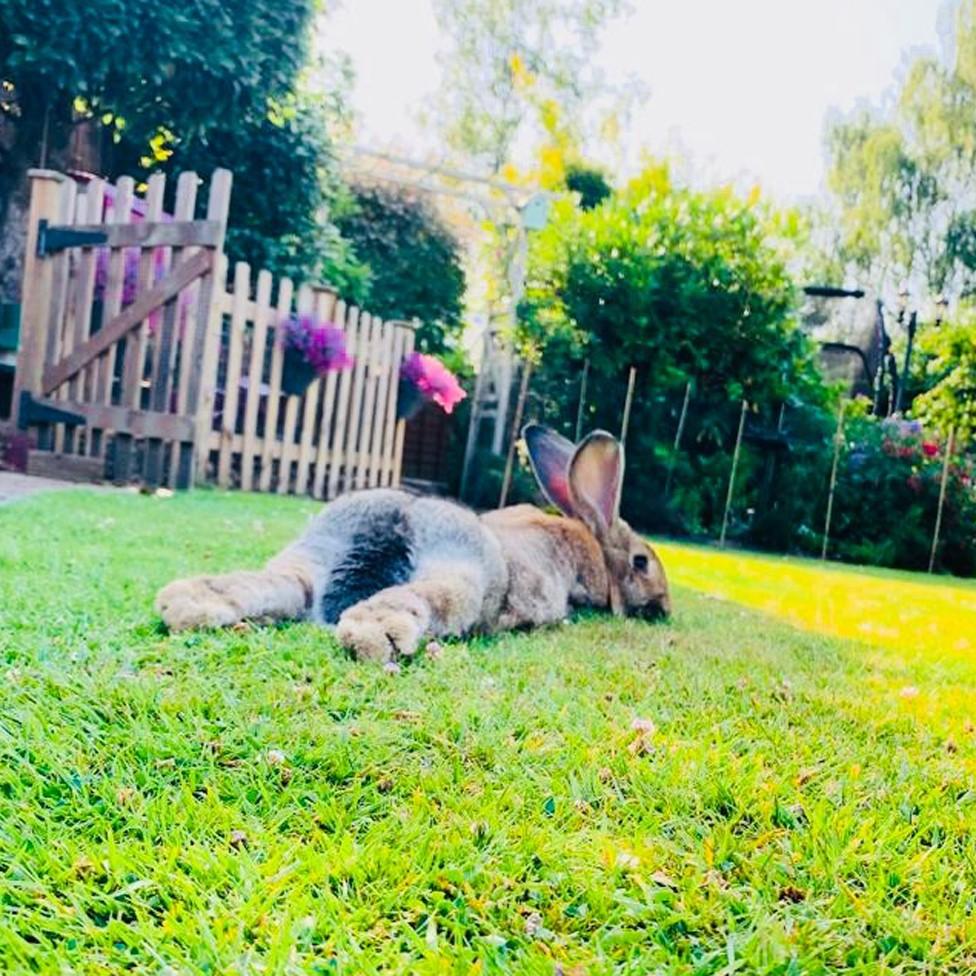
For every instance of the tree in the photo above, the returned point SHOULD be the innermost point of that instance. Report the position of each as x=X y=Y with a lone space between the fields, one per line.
x=948 y=358
x=510 y=61
x=685 y=286
x=414 y=263
x=64 y=64
x=683 y=282
x=904 y=179
x=286 y=188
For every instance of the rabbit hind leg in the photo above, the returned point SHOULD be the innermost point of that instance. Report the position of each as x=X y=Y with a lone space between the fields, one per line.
x=282 y=591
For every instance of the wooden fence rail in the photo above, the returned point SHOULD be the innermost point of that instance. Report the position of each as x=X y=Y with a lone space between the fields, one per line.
x=140 y=361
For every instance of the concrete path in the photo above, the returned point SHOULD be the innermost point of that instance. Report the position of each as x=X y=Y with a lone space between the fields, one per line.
x=14 y=486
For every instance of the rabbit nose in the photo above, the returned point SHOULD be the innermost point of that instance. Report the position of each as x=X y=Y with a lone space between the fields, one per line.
x=649 y=611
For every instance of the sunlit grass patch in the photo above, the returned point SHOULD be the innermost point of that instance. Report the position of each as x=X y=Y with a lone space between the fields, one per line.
x=908 y=612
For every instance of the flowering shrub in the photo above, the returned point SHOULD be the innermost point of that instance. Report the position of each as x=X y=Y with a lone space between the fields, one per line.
x=887 y=494
x=433 y=380
x=322 y=345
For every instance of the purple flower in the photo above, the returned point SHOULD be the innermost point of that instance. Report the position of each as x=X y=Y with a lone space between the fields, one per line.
x=322 y=345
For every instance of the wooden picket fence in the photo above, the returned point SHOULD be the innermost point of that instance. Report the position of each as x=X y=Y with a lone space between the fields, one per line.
x=140 y=362
x=342 y=434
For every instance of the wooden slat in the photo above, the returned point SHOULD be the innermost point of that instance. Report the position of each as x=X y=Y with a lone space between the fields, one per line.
x=305 y=453
x=59 y=275
x=323 y=459
x=382 y=403
x=184 y=232
x=389 y=431
x=164 y=346
x=66 y=436
x=57 y=311
x=338 y=445
x=324 y=303
x=271 y=443
x=121 y=214
x=82 y=383
x=67 y=330
x=255 y=371
x=187 y=323
x=127 y=319
x=135 y=353
x=136 y=342
x=289 y=449
x=350 y=469
x=374 y=367
x=159 y=391
x=205 y=347
x=232 y=380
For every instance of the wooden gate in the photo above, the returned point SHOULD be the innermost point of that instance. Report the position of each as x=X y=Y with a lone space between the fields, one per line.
x=116 y=326
x=139 y=361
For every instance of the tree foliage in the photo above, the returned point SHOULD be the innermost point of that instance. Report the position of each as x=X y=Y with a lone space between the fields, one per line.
x=144 y=67
x=686 y=286
x=589 y=182
x=508 y=62
x=186 y=86
x=415 y=264
x=903 y=178
x=683 y=282
x=286 y=189
x=948 y=358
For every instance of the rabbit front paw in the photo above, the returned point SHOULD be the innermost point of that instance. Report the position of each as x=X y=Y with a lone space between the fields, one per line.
x=379 y=634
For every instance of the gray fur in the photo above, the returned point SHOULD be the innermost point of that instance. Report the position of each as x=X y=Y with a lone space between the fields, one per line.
x=352 y=541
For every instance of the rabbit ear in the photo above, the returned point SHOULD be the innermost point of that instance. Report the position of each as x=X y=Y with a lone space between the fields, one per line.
x=550 y=454
x=596 y=474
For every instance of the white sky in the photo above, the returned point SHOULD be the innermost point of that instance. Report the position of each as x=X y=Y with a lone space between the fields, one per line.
x=742 y=88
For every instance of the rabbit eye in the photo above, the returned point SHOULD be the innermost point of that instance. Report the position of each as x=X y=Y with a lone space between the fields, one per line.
x=640 y=562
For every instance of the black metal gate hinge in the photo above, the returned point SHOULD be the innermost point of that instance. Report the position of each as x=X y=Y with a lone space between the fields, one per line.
x=33 y=411
x=51 y=239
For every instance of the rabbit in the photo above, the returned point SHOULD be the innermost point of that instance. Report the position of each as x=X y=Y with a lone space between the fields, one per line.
x=387 y=569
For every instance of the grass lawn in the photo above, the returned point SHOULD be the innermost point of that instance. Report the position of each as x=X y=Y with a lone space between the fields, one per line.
x=254 y=802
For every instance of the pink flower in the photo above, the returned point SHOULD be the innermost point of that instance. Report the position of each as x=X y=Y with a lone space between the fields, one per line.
x=434 y=380
x=930 y=448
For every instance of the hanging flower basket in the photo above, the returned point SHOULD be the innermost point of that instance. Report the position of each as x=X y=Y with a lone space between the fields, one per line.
x=311 y=349
x=297 y=373
x=425 y=379
x=410 y=401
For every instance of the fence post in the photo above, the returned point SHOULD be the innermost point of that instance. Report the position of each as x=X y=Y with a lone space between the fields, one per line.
x=735 y=465
x=838 y=442
x=582 y=399
x=950 y=445
x=678 y=434
x=628 y=401
x=37 y=287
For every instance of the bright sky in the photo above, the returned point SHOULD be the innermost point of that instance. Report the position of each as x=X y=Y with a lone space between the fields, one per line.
x=741 y=88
